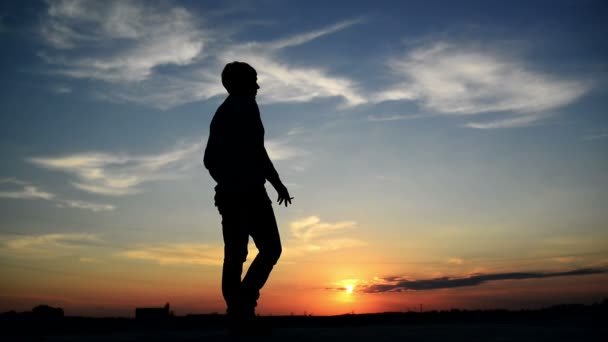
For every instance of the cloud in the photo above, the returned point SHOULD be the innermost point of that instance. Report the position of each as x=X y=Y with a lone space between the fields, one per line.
x=394 y=117
x=565 y=260
x=603 y=134
x=135 y=38
x=29 y=191
x=455 y=80
x=303 y=38
x=281 y=82
x=517 y=121
x=61 y=89
x=123 y=44
x=321 y=240
x=179 y=253
x=26 y=191
x=50 y=244
x=166 y=91
x=311 y=228
x=399 y=284
x=456 y=261
x=121 y=174
x=311 y=235
x=280 y=149
x=96 y=207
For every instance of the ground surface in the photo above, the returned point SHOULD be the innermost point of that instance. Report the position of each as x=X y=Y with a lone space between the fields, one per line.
x=430 y=332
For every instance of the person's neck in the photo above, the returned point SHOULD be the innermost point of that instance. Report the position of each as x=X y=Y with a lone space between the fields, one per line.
x=241 y=95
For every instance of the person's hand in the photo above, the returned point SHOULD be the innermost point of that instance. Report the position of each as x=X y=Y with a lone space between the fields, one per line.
x=283 y=195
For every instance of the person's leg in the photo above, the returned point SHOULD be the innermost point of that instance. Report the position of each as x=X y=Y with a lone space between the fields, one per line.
x=265 y=234
x=236 y=237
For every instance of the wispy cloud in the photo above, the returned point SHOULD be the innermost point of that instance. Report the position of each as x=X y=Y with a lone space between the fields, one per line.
x=303 y=38
x=514 y=121
x=399 y=284
x=599 y=135
x=394 y=117
x=50 y=244
x=456 y=261
x=281 y=149
x=61 y=89
x=27 y=191
x=121 y=174
x=96 y=207
x=311 y=228
x=136 y=38
x=178 y=253
x=311 y=235
x=282 y=82
x=456 y=80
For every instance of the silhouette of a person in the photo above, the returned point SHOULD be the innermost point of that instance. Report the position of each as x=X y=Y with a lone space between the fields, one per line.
x=237 y=160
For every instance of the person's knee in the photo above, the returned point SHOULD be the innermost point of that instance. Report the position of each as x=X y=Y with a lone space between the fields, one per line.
x=235 y=255
x=272 y=254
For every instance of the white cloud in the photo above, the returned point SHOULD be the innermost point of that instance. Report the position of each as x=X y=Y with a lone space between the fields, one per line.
x=29 y=191
x=303 y=38
x=121 y=174
x=311 y=235
x=513 y=121
x=394 y=117
x=96 y=207
x=455 y=80
x=281 y=82
x=135 y=38
x=280 y=149
x=179 y=253
x=50 y=244
x=166 y=91
x=121 y=43
x=311 y=228
x=456 y=261
x=25 y=191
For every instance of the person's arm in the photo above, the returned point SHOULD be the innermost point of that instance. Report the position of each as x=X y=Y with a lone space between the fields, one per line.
x=210 y=158
x=218 y=150
x=273 y=177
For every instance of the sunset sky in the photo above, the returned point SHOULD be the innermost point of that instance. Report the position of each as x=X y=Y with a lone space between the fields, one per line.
x=439 y=154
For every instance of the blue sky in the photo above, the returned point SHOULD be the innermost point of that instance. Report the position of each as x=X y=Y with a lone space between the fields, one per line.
x=397 y=126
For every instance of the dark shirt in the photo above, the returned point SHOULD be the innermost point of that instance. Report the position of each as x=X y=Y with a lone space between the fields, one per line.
x=235 y=154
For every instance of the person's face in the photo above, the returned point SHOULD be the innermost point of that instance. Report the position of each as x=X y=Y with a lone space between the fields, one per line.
x=252 y=85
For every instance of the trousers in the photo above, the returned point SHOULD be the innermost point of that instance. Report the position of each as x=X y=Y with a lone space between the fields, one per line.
x=245 y=214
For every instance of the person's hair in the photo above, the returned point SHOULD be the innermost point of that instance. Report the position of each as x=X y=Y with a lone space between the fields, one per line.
x=236 y=74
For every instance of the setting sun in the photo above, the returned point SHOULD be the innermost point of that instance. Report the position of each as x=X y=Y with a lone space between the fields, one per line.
x=349 y=288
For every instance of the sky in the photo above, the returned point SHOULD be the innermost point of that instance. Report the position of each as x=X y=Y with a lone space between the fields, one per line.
x=449 y=155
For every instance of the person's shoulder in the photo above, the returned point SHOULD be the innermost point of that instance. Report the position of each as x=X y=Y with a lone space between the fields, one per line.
x=222 y=108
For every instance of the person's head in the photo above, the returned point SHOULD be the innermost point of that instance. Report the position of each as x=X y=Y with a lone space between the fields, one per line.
x=240 y=79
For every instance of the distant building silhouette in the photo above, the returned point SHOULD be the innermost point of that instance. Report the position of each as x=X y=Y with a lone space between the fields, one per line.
x=153 y=314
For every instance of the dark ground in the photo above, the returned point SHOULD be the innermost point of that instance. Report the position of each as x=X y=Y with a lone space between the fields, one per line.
x=561 y=323
x=439 y=332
